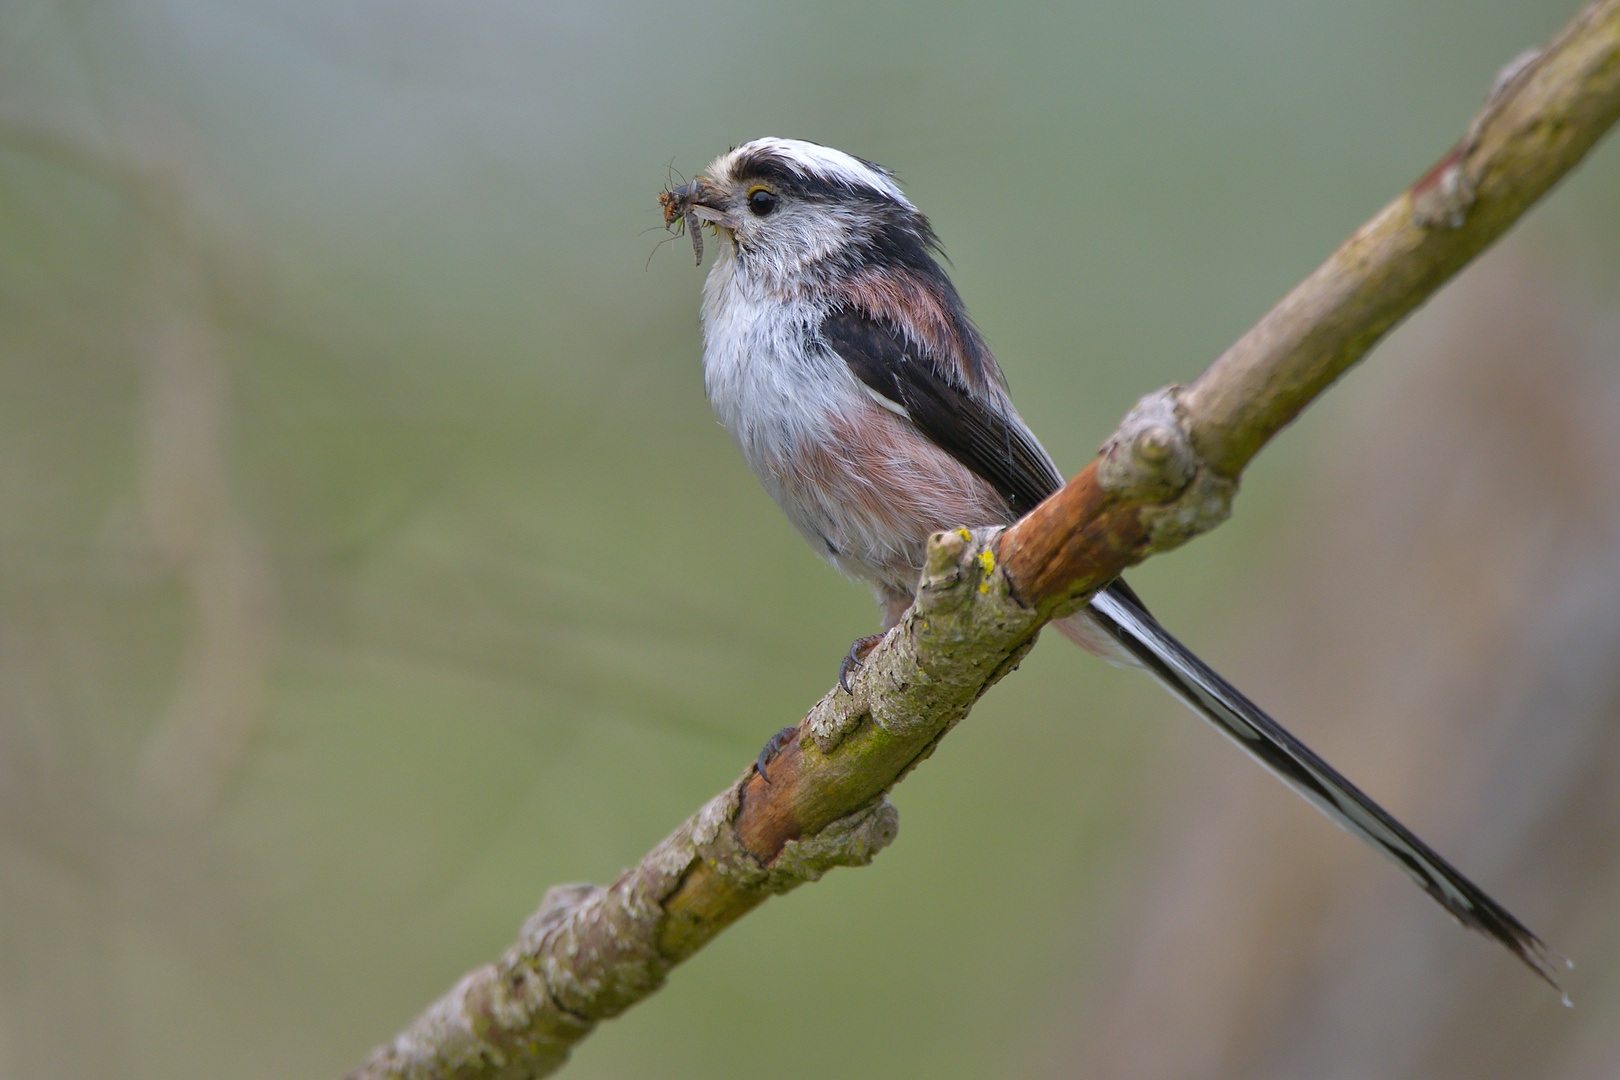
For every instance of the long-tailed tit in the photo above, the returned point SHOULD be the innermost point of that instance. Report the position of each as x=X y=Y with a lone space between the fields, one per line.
x=839 y=356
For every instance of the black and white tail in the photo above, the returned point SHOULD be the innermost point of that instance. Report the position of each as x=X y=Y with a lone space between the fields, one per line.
x=1117 y=610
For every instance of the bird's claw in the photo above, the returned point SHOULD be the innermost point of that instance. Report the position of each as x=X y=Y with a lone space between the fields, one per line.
x=772 y=747
x=857 y=655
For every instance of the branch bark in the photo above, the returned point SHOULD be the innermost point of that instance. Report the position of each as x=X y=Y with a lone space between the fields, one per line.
x=1168 y=474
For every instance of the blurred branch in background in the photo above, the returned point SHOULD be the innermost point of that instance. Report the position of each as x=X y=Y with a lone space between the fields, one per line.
x=1490 y=658
x=590 y=953
x=82 y=826
x=196 y=531
x=192 y=272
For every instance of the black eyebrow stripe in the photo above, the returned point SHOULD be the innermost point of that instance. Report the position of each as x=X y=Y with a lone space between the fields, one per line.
x=786 y=177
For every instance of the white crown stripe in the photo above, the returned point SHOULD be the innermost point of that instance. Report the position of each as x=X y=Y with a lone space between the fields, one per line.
x=825 y=163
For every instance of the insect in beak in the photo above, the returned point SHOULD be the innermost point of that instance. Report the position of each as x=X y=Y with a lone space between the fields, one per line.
x=684 y=204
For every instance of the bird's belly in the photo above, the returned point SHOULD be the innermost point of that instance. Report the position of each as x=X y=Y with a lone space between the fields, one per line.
x=862 y=484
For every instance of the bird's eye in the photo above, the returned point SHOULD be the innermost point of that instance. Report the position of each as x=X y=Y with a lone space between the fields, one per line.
x=761 y=202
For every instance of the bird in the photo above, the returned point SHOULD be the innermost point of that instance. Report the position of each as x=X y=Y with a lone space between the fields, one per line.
x=840 y=358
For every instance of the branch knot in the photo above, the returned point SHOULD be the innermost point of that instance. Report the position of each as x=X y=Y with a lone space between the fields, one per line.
x=852 y=840
x=1150 y=455
x=1151 y=459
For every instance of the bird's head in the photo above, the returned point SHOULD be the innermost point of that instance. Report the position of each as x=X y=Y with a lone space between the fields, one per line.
x=797 y=213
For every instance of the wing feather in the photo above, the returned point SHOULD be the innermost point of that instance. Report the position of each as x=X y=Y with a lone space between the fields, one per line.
x=984 y=435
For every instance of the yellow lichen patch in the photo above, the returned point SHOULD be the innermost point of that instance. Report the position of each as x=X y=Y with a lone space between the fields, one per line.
x=987 y=563
x=964 y=534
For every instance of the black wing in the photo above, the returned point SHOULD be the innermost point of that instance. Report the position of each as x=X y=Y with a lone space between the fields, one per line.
x=992 y=444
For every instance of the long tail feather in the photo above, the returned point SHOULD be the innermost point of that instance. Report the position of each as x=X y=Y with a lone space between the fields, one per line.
x=1118 y=612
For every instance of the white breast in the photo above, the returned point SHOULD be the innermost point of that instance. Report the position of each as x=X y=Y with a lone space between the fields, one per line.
x=862 y=485
x=774 y=389
x=770 y=384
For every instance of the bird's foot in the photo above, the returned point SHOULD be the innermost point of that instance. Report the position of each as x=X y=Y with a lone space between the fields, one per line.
x=773 y=746
x=857 y=655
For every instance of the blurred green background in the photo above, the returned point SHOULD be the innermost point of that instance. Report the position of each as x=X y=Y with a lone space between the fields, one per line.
x=370 y=561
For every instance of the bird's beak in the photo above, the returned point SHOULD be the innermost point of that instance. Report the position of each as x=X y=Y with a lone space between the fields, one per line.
x=700 y=199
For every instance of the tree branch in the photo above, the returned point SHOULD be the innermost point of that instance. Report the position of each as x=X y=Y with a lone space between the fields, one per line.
x=1167 y=474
